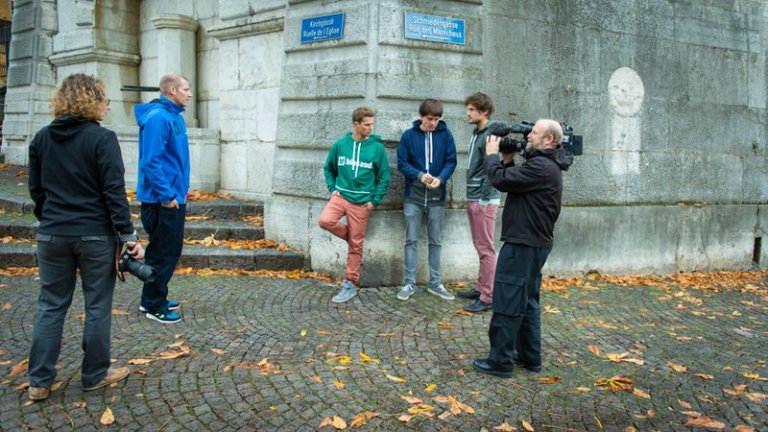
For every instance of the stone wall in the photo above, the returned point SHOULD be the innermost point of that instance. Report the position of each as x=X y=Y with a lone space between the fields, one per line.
x=669 y=96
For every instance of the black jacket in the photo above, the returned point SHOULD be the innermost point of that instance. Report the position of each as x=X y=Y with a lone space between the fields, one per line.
x=534 y=194
x=76 y=179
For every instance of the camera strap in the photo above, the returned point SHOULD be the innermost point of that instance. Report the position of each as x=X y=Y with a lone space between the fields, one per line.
x=120 y=274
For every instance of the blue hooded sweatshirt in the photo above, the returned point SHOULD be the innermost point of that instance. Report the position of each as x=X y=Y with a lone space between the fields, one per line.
x=163 y=152
x=422 y=152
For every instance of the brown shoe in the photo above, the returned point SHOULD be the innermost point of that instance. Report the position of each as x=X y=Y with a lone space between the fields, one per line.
x=113 y=375
x=38 y=393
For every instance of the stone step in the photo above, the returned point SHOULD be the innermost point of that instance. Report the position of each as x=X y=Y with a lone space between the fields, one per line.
x=199 y=257
x=25 y=228
x=217 y=208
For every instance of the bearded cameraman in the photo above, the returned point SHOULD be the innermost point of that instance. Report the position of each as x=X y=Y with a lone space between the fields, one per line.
x=534 y=194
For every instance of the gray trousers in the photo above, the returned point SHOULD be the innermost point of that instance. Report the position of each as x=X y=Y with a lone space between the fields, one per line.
x=59 y=258
x=414 y=214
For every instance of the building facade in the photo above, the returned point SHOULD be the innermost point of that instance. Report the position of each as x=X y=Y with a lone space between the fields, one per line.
x=670 y=97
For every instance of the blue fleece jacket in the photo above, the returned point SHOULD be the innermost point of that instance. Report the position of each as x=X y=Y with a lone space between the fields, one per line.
x=422 y=152
x=163 y=152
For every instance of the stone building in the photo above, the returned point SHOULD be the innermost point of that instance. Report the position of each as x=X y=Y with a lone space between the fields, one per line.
x=670 y=97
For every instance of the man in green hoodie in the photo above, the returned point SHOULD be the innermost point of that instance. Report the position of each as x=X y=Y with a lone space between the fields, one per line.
x=357 y=176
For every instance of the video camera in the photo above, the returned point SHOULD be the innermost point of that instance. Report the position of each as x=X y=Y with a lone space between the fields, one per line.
x=572 y=143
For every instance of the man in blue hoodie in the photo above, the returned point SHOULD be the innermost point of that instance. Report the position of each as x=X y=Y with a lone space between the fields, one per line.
x=162 y=187
x=426 y=156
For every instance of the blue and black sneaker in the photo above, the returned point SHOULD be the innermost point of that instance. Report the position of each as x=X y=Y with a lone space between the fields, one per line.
x=164 y=316
x=172 y=306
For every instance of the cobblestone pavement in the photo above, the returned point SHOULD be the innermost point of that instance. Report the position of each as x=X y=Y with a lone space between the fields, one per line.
x=277 y=354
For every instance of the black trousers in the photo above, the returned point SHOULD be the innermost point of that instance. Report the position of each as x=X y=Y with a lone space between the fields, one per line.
x=516 y=320
x=165 y=227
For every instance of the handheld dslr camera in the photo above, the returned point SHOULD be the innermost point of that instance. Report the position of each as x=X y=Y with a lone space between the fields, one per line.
x=143 y=272
x=572 y=143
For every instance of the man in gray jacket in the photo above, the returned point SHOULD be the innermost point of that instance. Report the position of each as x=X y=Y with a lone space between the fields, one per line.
x=482 y=202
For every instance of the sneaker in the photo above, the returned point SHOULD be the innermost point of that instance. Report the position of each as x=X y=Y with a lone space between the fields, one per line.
x=441 y=292
x=477 y=306
x=348 y=290
x=164 y=316
x=38 y=393
x=471 y=294
x=406 y=292
x=172 y=306
x=113 y=375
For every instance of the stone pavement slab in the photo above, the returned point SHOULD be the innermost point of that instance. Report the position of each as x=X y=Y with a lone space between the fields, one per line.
x=277 y=354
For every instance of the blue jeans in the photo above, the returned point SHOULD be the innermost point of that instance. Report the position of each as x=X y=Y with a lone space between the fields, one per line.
x=59 y=258
x=165 y=227
x=413 y=216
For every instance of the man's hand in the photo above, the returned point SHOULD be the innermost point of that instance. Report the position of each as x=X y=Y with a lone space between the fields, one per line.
x=492 y=145
x=135 y=250
x=435 y=183
x=427 y=179
x=369 y=206
x=172 y=204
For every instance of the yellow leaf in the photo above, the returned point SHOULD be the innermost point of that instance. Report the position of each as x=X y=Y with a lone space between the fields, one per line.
x=744 y=428
x=365 y=358
x=335 y=421
x=80 y=404
x=420 y=409
x=676 y=367
x=684 y=404
x=405 y=418
x=527 y=426
x=219 y=351
x=639 y=393
x=411 y=399
x=139 y=361
x=704 y=376
x=594 y=349
x=107 y=418
x=303 y=333
x=705 y=422
x=396 y=379
x=444 y=325
x=549 y=380
x=429 y=388
x=117 y=312
x=504 y=427
x=362 y=418
x=339 y=384
x=463 y=312
x=317 y=379
x=583 y=389
x=20 y=367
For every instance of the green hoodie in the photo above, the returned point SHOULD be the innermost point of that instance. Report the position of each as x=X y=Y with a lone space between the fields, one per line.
x=359 y=171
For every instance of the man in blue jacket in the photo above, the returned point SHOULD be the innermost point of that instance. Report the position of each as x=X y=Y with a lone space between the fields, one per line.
x=162 y=187
x=426 y=156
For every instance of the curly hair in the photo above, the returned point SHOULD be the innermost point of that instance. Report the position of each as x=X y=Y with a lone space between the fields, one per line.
x=79 y=95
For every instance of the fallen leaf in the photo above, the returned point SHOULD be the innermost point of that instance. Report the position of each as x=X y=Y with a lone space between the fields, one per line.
x=444 y=325
x=744 y=428
x=583 y=389
x=80 y=404
x=20 y=367
x=107 y=418
x=639 y=393
x=594 y=349
x=684 y=404
x=366 y=359
x=550 y=380
x=504 y=427
x=219 y=351
x=317 y=379
x=339 y=384
x=676 y=367
x=616 y=383
x=527 y=426
x=430 y=388
x=139 y=362
x=117 y=312
x=405 y=418
x=411 y=399
x=705 y=422
x=704 y=376
x=335 y=421
x=422 y=409
x=362 y=418
x=396 y=379
x=303 y=333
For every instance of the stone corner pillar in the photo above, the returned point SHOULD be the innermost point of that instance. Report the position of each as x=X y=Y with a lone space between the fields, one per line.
x=176 y=35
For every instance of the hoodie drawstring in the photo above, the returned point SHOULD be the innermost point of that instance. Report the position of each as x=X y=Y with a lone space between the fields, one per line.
x=356 y=150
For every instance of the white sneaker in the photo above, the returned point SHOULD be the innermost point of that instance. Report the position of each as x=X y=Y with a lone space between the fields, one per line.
x=441 y=292
x=348 y=290
x=406 y=292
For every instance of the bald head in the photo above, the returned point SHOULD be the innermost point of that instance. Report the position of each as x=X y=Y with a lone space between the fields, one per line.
x=546 y=134
x=176 y=88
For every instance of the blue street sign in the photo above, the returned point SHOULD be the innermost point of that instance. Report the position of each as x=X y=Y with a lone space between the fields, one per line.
x=322 y=28
x=434 y=28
